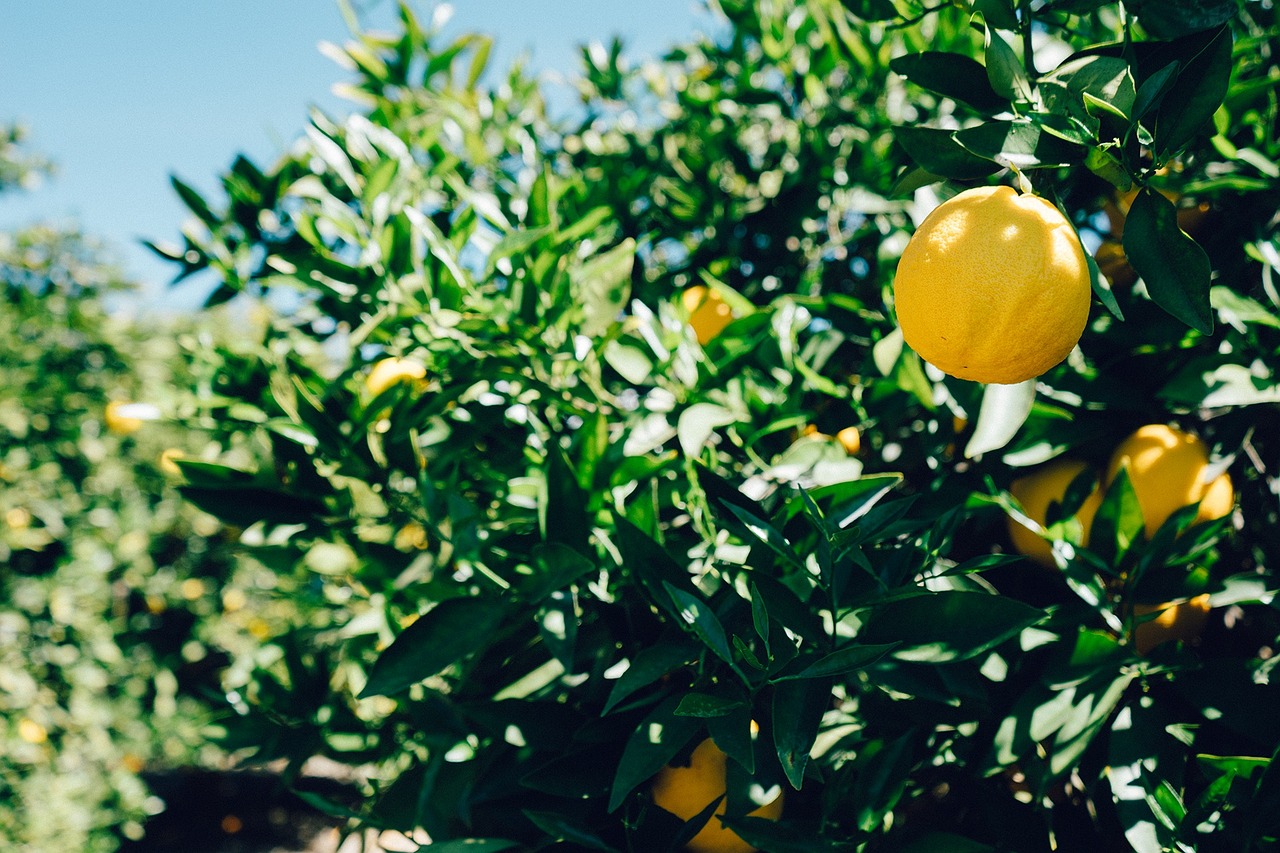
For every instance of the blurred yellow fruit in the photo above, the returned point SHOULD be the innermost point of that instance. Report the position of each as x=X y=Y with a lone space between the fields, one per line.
x=1114 y=263
x=686 y=791
x=17 y=518
x=119 y=420
x=707 y=310
x=413 y=536
x=391 y=370
x=993 y=286
x=169 y=461
x=1183 y=622
x=850 y=439
x=31 y=731
x=1167 y=468
x=1038 y=490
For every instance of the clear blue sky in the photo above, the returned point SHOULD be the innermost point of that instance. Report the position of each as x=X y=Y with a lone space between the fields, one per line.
x=123 y=93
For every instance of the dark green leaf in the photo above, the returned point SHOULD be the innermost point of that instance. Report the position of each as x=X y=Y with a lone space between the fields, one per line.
x=698 y=616
x=654 y=742
x=937 y=151
x=1019 y=143
x=940 y=627
x=650 y=664
x=562 y=513
x=707 y=705
x=798 y=707
x=1169 y=19
x=195 y=202
x=1197 y=93
x=951 y=75
x=848 y=659
x=1118 y=522
x=1176 y=270
x=245 y=506
x=449 y=632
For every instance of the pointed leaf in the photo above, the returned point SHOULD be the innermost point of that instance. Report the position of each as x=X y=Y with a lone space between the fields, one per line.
x=798 y=707
x=654 y=742
x=1004 y=410
x=940 y=627
x=1173 y=266
x=449 y=632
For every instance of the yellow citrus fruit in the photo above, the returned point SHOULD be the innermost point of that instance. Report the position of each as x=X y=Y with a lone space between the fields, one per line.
x=391 y=370
x=1167 y=468
x=1183 y=622
x=707 y=310
x=169 y=458
x=1036 y=492
x=1114 y=263
x=118 y=419
x=850 y=439
x=686 y=791
x=993 y=286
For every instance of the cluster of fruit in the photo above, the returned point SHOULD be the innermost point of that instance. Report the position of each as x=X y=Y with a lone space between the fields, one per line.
x=1169 y=469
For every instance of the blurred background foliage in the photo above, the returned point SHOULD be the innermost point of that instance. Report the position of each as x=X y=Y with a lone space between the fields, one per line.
x=520 y=529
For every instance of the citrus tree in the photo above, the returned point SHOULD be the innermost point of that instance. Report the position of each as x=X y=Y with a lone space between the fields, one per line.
x=110 y=584
x=601 y=454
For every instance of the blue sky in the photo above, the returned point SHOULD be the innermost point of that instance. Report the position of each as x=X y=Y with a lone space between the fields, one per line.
x=121 y=94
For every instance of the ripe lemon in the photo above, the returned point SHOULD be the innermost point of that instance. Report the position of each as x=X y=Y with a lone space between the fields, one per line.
x=993 y=286
x=119 y=418
x=1036 y=492
x=1183 y=622
x=850 y=439
x=707 y=310
x=686 y=791
x=1167 y=468
x=391 y=370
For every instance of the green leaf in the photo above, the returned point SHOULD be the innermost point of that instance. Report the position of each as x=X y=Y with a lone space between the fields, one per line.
x=650 y=664
x=937 y=151
x=952 y=75
x=1154 y=89
x=651 y=565
x=562 y=510
x=564 y=828
x=1005 y=71
x=245 y=506
x=1020 y=143
x=1118 y=522
x=1200 y=384
x=195 y=202
x=777 y=837
x=557 y=566
x=1173 y=266
x=851 y=658
x=696 y=615
x=708 y=705
x=698 y=422
x=940 y=627
x=798 y=707
x=1169 y=19
x=1004 y=410
x=651 y=746
x=449 y=632
x=1196 y=94
x=603 y=285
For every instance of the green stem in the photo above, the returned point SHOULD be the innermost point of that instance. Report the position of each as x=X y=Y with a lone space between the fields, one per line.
x=1028 y=53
